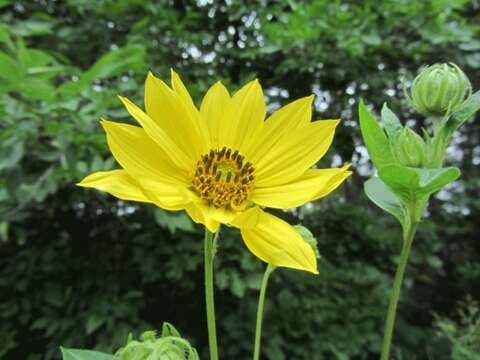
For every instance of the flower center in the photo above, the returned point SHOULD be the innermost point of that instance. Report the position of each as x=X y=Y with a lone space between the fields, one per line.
x=223 y=178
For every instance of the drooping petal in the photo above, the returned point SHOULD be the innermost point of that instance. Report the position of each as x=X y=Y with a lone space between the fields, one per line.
x=294 y=154
x=209 y=215
x=199 y=214
x=117 y=183
x=276 y=242
x=314 y=184
x=247 y=219
x=213 y=111
x=244 y=118
x=170 y=112
x=136 y=152
x=156 y=133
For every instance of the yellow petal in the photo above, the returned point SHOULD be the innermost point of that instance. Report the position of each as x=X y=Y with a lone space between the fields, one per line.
x=294 y=154
x=335 y=182
x=136 y=152
x=302 y=190
x=166 y=195
x=213 y=111
x=247 y=219
x=199 y=215
x=182 y=92
x=244 y=118
x=117 y=183
x=296 y=114
x=276 y=242
x=180 y=88
x=169 y=111
x=156 y=133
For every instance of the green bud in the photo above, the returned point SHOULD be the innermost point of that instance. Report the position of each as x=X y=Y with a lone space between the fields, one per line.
x=409 y=148
x=438 y=90
x=308 y=237
x=170 y=346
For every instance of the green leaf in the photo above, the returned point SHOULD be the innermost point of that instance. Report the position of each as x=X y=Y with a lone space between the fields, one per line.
x=11 y=155
x=393 y=126
x=115 y=62
x=432 y=180
x=462 y=114
x=413 y=184
x=37 y=89
x=94 y=321
x=9 y=69
x=169 y=330
x=375 y=139
x=173 y=221
x=5 y=36
x=77 y=354
x=381 y=196
x=33 y=27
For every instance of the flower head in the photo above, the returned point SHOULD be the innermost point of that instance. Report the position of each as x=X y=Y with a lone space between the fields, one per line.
x=223 y=162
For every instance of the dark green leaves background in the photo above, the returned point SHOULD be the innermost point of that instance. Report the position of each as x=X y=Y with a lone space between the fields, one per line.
x=82 y=269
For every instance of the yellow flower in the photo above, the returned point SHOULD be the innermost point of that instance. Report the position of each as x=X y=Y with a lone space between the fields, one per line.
x=224 y=162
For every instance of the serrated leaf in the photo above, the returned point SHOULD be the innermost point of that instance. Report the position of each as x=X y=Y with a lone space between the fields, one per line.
x=393 y=126
x=78 y=354
x=375 y=139
x=381 y=196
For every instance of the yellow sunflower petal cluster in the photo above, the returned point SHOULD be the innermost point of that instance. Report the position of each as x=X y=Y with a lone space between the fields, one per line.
x=223 y=162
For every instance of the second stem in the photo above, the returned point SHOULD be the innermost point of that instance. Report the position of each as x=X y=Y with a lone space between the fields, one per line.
x=397 y=285
x=261 y=302
x=209 y=253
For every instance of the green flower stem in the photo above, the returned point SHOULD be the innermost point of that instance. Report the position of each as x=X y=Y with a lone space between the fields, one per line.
x=408 y=235
x=438 y=122
x=261 y=301
x=209 y=299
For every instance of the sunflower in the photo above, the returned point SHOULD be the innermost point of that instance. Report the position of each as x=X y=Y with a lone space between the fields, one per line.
x=223 y=162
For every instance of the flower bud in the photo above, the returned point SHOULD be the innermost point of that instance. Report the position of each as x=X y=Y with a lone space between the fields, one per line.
x=409 y=148
x=167 y=347
x=308 y=238
x=439 y=89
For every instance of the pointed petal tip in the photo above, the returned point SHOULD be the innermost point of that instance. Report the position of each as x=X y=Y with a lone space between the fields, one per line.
x=104 y=122
x=83 y=183
x=173 y=77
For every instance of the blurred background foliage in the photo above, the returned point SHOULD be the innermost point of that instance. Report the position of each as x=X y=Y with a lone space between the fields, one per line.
x=82 y=269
